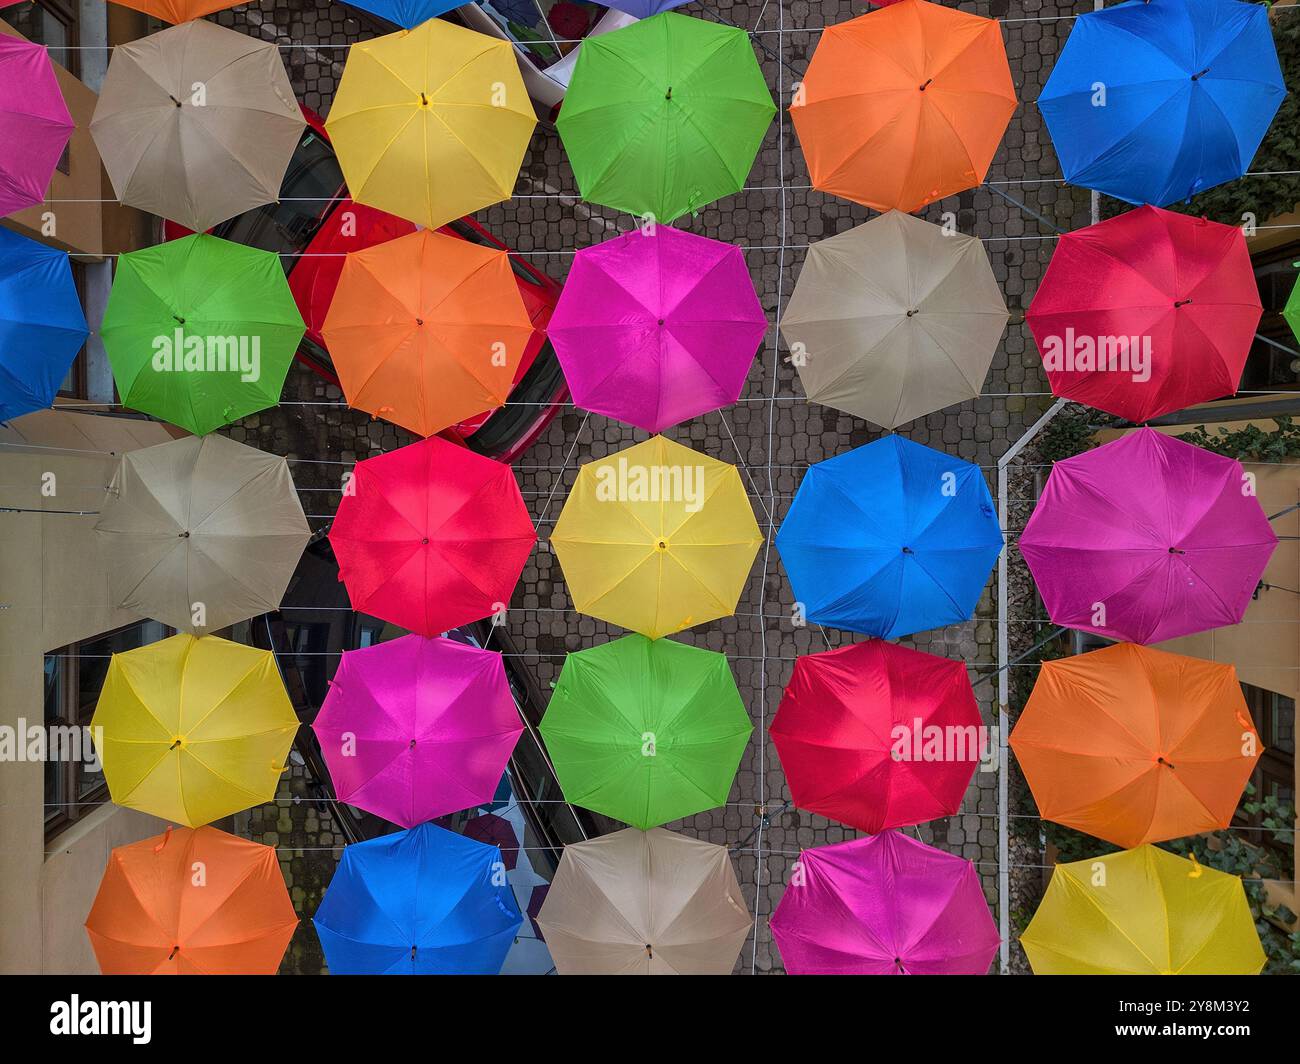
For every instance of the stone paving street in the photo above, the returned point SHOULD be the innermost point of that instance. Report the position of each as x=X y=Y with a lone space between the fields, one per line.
x=773 y=433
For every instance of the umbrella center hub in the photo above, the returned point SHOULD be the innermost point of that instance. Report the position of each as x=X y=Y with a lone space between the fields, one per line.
x=424 y=100
x=425 y=541
x=185 y=534
x=1181 y=303
x=177 y=742
x=912 y=313
x=661 y=544
x=908 y=550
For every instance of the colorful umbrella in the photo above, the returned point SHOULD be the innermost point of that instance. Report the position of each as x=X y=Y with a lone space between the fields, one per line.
x=1146 y=313
x=42 y=326
x=664 y=116
x=890 y=539
x=192 y=730
x=419 y=902
x=201 y=532
x=406 y=13
x=646 y=731
x=200 y=331
x=878 y=736
x=884 y=905
x=432 y=123
x=416 y=728
x=177 y=11
x=656 y=328
x=35 y=125
x=1147 y=538
x=1142 y=912
x=431 y=536
x=1156 y=101
x=645 y=8
x=904 y=106
x=894 y=319
x=645 y=903
x=191 y=902
x=1135 y=745
x=656 y=538
x=196 y=123
x=1291 y=311
x=495 y=831
x=427 y=330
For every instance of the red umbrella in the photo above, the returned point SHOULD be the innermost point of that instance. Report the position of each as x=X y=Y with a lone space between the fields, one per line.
x=878 y=736
x=1146 y=313
x=431 y=536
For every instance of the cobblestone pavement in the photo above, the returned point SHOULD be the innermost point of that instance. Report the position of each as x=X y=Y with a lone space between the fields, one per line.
x=773 y=433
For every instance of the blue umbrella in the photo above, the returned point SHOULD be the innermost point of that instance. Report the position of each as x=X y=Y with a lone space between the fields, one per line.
x=406 y=13
x=419 y=902
x=1155 y=102
x=645 y=8
x=890 y=539
x=41 y=324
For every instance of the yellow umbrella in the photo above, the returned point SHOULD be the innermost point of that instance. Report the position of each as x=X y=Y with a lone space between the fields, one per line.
x=193 y=729
x=656 y=538
x=432 y=123
x=1142 y=912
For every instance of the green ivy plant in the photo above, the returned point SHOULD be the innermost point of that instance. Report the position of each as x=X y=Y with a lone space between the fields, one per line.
x=1252 y=443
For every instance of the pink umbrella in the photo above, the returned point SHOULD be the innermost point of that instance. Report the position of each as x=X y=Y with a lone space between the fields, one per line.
x=416 y=728
x=34 y=123
x=884 y=905
x=1147 y=538
x=654 y=329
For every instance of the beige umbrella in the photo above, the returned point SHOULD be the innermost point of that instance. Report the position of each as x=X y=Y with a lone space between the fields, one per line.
x=645 y=903
x=196 y=123
x=894 y=319
x=201 y=532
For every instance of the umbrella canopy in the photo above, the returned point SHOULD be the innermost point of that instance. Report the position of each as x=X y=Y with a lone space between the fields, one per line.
x=1146 y=313
x=406 y=13
x=664 y=116
x=193 y=729
x=1142 y=912
x=1147 y=538
x=890 y=539
x=1291 y=312
x=884 y=905
x=645 y=903
x=904 y=106
x=495 y=831
x=876 y=735
x=1135 y=745
x=431 y=124
x=654 y=328
x=155 y=914
x=197 y=123
x=646 y=731
x=42 y=326
x=1188 y=90
x=656 y=538
x=894 y=319
x=200 y=331
x=177 y=11
x=416 y=728
x=645 y=8
x=418 y=902
x=431 y=536
x=427 y=330
x=201 y=532
x=35 y=125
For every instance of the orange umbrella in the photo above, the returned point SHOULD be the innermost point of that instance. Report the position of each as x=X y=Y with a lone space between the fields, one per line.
x=191 y=902
x=1135 y=745
x=178 y=11
x=904 y=105
x=426 y=330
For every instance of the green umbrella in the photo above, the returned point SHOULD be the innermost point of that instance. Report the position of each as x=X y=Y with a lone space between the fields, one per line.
x=664 y=116
x=1291 y=312
x=646 y=731
x=199 y=331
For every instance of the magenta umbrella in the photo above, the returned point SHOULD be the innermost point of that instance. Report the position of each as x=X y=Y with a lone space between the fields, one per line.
x=34 y=123
x=1147 y=538
x=417 y=728
x=654 y=329
x=884 y=905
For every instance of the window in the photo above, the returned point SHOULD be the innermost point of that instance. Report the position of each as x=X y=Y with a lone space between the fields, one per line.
x=52 y=23
x=1274 y=775
x=74 y=674
x=75 y=385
